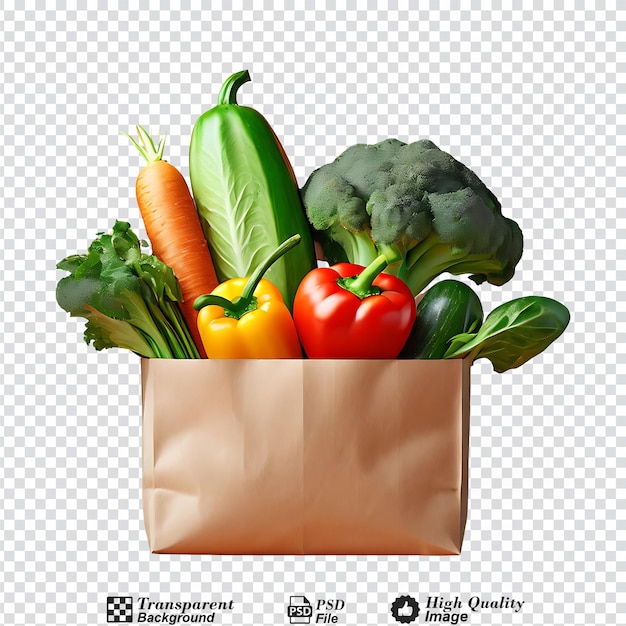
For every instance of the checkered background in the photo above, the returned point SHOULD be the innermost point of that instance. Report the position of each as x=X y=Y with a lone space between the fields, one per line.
x=532 y=100
x=119 y=610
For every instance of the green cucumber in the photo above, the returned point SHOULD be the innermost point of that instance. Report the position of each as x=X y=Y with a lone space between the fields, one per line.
x=448 y=308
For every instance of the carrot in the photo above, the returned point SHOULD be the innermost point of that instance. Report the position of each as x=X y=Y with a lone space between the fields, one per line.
x=173 y=227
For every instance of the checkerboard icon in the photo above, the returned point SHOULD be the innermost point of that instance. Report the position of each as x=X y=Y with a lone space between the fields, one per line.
x=119 y=610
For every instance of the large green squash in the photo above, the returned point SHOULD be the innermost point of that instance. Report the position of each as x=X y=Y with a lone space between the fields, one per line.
x=246 y=193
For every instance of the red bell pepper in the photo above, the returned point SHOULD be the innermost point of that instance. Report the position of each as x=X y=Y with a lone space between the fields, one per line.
x=348 y=311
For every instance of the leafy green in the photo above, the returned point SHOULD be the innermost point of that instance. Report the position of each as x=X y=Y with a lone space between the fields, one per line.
x=513 y=332
x=128 y=298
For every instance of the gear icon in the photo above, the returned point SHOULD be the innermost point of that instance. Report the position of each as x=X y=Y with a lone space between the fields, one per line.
x=405 y=609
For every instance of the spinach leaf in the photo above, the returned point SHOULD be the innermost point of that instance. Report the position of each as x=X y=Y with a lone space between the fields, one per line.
x=513 y=332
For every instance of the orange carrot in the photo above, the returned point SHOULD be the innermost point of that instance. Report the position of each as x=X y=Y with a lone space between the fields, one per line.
x=173 y=227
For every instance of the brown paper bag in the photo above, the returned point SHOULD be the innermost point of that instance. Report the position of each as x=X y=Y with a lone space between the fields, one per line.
x=305 y=456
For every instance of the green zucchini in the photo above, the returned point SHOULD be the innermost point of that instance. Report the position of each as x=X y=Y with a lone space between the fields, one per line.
x=448 y=308
x=246 y=193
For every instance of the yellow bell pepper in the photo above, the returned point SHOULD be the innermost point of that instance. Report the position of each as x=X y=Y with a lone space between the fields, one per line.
x=246 y=318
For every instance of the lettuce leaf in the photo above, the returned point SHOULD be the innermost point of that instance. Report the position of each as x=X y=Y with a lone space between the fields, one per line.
x=128 y=298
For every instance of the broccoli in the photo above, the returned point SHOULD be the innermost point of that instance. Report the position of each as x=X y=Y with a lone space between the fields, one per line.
x=426 y=211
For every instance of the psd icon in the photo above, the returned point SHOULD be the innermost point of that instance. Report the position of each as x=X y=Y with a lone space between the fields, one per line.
x=405 y=609
x=299 y=610
x=119 y=610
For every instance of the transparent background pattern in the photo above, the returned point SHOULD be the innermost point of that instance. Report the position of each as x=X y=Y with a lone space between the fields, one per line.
x=532 y=99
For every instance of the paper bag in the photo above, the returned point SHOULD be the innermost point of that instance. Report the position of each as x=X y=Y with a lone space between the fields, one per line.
x=305 y=456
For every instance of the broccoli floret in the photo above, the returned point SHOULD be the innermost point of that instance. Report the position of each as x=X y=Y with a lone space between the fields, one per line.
x=467 y=237
x=412 y=202
x=399 y=215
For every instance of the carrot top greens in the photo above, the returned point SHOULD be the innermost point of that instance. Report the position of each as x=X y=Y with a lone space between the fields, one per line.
x=146 y=146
